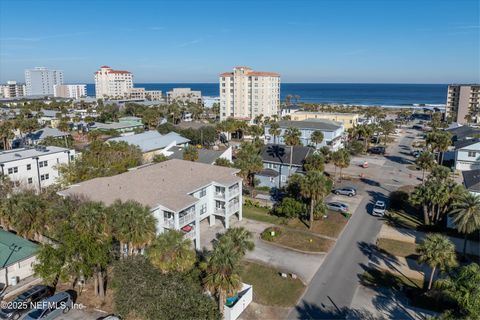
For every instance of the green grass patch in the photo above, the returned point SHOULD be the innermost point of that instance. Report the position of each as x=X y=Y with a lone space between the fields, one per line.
x=401 y=219
x=413 y=167
x=331 y=226
x=269 y=288
x=380 y=278
x=299 y=240
x=260 y=214
x=398 y=248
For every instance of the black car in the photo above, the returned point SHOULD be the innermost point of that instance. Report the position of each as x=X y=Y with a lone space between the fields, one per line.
x=22 y=303
x=377 y=150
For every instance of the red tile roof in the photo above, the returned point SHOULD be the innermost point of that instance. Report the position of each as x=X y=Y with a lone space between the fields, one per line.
x=226 y=74
x=118 y=71
x=104 y=67
x=263 y=74
x=242 y=67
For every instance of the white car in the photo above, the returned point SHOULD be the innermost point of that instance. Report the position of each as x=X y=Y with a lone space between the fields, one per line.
x=379 y=208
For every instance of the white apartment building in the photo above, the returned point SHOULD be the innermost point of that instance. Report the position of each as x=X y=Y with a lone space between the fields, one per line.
x=40 y=81
x=34 y=167
x=179 y=193
x=142 y=94
x=70 y=91
x=111 y=83
x=13 y=90
x=184 y=95
x=245 y=94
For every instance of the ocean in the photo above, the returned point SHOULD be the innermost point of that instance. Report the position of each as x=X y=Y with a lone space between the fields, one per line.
x=386 y=95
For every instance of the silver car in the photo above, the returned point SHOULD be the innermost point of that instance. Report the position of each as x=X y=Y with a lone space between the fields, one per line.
x=379 y=208
x=337 y=206
x=346 y=191
x=52 y=307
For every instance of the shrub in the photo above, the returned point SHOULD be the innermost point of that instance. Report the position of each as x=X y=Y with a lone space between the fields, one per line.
x=398 y=199
x=267 y=233
x=289 y=208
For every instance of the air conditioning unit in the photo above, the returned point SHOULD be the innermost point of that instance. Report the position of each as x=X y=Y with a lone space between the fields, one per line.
x=13 y=281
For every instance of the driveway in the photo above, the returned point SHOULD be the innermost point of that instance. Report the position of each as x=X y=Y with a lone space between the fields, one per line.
x=289 y=261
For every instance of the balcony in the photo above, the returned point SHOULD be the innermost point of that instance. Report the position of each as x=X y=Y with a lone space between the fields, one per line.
x=189 y=232
x=186 y=219
x=220 y=211
x=233 y=207
x=233 y=192
x=220 y=194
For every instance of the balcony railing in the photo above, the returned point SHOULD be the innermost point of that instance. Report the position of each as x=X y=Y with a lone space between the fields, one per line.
x=233 y=192
x=186 y=219
x=190 y=235
x=220 y=195
x=169 y=223
x=220 y=211
x=233 y=207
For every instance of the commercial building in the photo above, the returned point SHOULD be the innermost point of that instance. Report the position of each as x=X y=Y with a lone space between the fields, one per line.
x=179 y=193
x=463 y=103
x=13 y=90
x=184 y=95
x=110 y=83
x=34 y=168
x=349 y=120
x=40 y=81
x=245 y=94
x=332 y=132
x=70 y=91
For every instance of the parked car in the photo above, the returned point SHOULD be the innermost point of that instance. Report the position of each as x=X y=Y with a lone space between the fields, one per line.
x=377 y=150
x=416 y=153
x=337 y=206
x=52 y=307
x=346 y=191
x=22 y=303
x=379 y=208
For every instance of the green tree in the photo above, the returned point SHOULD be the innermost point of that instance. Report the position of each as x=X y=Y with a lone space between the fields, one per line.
x=387 y=128
x=341 y=159
x=316 y=137
x=314 y=162
x=159 y=158
x=291 y=137
x=290 y=208
x=6 y=133
x=170 y=252
x=314 y=186
x=241 y=239
x=223 y=162
x=248 y=161
x=439 y=141
x=190 y=153
x=466 y=215
x=438 y=252
x=426 y=161
x=275 y=131
x=27 y=214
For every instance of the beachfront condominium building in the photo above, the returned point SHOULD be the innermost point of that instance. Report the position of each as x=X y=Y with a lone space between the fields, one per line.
x=12 y=90
x=245 y=94
x=463 y=103
x=34 y=168
x=142 y=94
x=40 y=81
x=184 y=95
x=73 y=91
x=180 y=194
x=111 y=83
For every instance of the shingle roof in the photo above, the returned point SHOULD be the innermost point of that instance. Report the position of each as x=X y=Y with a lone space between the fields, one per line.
x=471 y=180
x=462 y=144
x=268 y=173
x=167 y=184
x=152 y=140
x=46 y=132
x=316 y=124
x=204 y=155
x=24 y=248
x=463 y=132
x=23 y=153
x=284 y=154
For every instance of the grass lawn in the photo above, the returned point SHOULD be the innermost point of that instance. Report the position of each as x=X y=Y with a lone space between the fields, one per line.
x=401 y=219
x=269 y=288
x=398 y=248
x=380 y=278
x=331 y=226
x=260 y=214
x=302 y=241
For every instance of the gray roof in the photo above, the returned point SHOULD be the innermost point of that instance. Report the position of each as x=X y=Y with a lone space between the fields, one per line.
x=268 y=173
x=46 y=132
x=315 y=124
x=471 y=180
x=115 y=125
x=285 y=154
x=204 y=155
x=464 y=144
x=152 y=140
x=463 y=132
x=165 y=184
x=23 y=153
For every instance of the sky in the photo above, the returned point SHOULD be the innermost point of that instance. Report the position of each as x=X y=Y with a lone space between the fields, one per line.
x=325 y=41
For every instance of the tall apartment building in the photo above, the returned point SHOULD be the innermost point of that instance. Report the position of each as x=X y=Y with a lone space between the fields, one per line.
x=184 y=95
x=13 y=90
x=142 y=94
x=112 y=83
x=245 y=94
x=40 y=80
x=461 y=99
x=34 y=168
x=73 y=91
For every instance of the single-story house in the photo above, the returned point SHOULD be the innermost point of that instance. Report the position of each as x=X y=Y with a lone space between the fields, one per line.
x=204 y=155
x=17 y=256
x=280 y=162
x=124 y=125
x=471 y=181
x=38 y=136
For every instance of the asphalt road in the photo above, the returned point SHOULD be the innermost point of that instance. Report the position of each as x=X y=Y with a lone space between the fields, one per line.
x=331 y=291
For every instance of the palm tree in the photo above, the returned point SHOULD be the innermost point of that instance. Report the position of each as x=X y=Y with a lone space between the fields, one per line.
x=341 y=159
x=170 y=251
x=6 y=133
x=314 y=162
x=26 y=214
x=466 y=215
x=291 y=137
x=438 y=252
x=132 y=224
x=426 y=161
x=274 y=131
x=241 y=238
x=190 y=153
x=248 y=161
x=314 y=186
x=316 y=137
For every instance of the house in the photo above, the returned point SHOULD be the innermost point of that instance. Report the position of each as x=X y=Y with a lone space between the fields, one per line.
x=467 y=154
x=204 y=155
x=280 y=162
x=38 y=136
x=179 y=193
x=463 y=132
x=17 y=256
x=124 y=125
x=34 y=167
x=152 y=142
x=289 y=110
x=332 y=132
x=349 y=120
x=471 y=181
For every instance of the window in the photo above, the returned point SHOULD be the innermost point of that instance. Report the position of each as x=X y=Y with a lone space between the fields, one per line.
x=42 y=164
x=29 y=167
x=30 y=180
x=203 y=192
x=471 y=154
x=45 y=177
x=12 y=170
x=203 y=209
x=284 y=178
